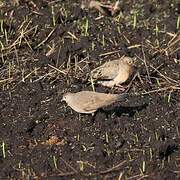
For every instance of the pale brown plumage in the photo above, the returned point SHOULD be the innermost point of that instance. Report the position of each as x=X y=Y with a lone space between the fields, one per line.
x=113 y=73
x=88 y=101
x=102 y=7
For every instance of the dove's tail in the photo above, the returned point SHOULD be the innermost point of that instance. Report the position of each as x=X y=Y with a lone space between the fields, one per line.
x=122 y=97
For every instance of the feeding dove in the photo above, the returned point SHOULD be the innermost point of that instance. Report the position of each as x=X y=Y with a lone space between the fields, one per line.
x=102 y=7
x=113 y=73
x=88 y=102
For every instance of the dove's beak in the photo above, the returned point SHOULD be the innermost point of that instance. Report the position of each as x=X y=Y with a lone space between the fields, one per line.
x=134 y=60
x=62 y=99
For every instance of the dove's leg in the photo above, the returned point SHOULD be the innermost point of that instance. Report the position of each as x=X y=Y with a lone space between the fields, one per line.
x=112 y=84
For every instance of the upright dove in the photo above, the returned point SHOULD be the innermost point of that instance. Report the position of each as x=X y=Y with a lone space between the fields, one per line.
x=113 y=73
x=88 y=102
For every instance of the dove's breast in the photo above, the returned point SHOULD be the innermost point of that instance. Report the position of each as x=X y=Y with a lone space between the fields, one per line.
x=124 y=73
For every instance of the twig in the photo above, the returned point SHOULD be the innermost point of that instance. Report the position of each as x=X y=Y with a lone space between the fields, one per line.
x=156 y=69
x=24 y=78
x=113 y=168
x=175 y=51
x=147 y=70
x=92 y=83
x=57 y=69
x=68 y=165
x=4 y=80
x=64 y=174
x=49 y=35
x=129 y=85
x=139 y=175
x=134 y=46
x=109 y=53
x=162 y=89
x=72 y=35
x=120 y=175
x=173 y=42
x=165 y=77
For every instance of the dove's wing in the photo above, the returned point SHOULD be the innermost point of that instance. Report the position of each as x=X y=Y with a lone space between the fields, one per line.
x=108 y=70
x=100 y=100
x=79 y=102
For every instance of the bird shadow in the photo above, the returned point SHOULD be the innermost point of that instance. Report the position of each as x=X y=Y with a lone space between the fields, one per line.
x=119 y=110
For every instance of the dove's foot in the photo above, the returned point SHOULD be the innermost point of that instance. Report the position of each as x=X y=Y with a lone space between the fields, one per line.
x=120 y=87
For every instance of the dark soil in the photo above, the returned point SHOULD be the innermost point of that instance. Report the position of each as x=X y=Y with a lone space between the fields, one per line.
x=48 y=48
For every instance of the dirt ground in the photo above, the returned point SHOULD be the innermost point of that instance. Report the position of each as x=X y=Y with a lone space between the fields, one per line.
x=47 y=49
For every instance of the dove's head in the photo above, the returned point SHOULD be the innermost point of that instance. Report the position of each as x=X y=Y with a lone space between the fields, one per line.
x=67 y=97
x=128 y=60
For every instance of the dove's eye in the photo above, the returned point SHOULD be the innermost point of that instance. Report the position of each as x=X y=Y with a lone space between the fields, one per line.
x=64 y=98
x=129 y=61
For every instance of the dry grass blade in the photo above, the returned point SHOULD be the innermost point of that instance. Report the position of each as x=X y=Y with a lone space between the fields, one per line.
x=109 y=53
x=42 y=42
x=134 y=46
x=28 y=75
x=5 y=80
x=138 y=177
x=168 y=79
x=173 y=42
x=92 y=83
x=72 y=35
x=67 y=164
x=63 y=72
x=23 y=34
x=177 y=87
x=134 y=77
x=145 y=63
x=61 y=174
x=114 y=168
